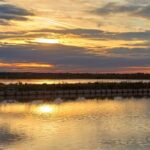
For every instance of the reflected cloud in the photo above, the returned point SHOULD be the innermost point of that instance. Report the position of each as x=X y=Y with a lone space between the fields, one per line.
x=8 y=137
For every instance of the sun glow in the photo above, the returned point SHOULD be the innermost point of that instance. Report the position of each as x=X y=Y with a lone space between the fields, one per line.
x=45 y=109
x=48 y=41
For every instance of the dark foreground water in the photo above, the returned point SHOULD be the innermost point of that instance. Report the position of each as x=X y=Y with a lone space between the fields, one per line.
x=83 y=125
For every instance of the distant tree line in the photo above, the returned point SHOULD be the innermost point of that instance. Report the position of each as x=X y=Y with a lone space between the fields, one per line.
x=85 y=86
x=16 y=75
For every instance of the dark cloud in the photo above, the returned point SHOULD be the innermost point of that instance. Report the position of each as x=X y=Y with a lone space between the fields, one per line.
x=131 y=9
x=42 y=53
x=11 y=9
x=92 y=34
x=5 y=35
x=143 y=44
x=135 y=53
x=82 y=33
x=145 y=12
x=143 y=35
x=139 y=2
x=10 y=12
x=70 y=58
x=99 y=34
x=114 y=7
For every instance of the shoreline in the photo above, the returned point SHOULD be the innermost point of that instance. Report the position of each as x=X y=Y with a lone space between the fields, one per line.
x=31 y=75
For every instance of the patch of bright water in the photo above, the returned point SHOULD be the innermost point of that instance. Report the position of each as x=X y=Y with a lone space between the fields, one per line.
x=61 y=81
x=81 y=125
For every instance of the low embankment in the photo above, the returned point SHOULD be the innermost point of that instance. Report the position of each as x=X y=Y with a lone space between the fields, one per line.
x=73 y=91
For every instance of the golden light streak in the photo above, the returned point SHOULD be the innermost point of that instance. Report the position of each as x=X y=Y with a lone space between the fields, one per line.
x=26 y=65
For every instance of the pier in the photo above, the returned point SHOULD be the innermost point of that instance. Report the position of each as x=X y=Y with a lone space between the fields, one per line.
x=73 y=94
x=74 y=91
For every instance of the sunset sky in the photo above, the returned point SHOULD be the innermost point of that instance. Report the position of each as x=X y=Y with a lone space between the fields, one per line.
x=75 y=35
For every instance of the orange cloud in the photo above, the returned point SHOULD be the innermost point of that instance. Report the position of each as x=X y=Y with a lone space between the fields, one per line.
x=26 y=65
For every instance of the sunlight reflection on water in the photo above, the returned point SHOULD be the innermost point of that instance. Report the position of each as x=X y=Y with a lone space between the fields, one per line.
x=62 y=81
x=81 y=125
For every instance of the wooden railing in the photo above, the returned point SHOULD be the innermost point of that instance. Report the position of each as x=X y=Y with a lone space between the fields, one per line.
x=90 y=93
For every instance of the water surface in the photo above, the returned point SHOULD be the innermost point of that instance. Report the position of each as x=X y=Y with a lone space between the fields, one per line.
x=61 y=81
x=81 y=125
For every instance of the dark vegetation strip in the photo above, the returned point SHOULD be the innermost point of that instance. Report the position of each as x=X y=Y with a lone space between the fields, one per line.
x=86 y=86
x=15 y=75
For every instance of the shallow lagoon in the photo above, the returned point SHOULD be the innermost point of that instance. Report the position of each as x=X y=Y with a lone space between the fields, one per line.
x=80 y=125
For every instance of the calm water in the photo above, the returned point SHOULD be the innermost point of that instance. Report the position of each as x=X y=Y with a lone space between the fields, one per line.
x=82 y=125
x=56 y=81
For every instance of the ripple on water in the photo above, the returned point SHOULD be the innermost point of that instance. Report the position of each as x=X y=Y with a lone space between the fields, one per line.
x=88 y=125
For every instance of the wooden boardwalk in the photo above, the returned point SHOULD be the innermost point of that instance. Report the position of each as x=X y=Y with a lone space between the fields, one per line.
x=72 y=94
